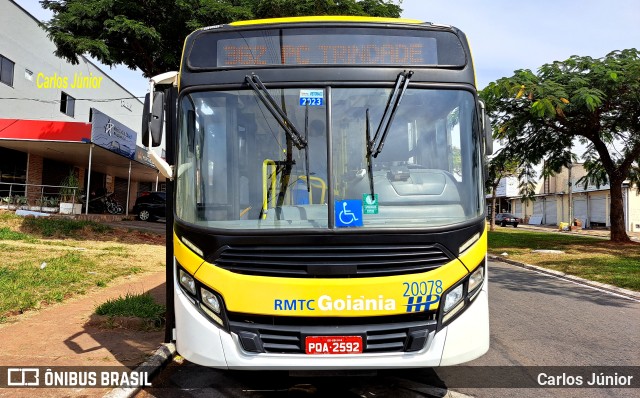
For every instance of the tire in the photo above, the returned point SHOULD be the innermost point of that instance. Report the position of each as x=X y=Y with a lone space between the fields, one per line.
x=515 y=225
x=144 y=215
x=503 y=224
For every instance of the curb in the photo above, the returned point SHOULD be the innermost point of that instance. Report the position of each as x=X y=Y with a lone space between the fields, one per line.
x=157 y=361
x=602 y=286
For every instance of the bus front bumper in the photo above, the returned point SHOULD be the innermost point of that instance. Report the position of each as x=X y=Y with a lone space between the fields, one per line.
x=203 y=343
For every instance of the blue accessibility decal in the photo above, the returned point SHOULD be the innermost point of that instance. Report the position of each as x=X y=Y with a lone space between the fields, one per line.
x=348 y=213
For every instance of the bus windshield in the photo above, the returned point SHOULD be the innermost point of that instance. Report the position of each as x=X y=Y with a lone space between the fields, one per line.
x=238 y=168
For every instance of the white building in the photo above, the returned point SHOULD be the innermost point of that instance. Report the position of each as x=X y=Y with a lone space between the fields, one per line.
x=47 y=123
x=591 y=205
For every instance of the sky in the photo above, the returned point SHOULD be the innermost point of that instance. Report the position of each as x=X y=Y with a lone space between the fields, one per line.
x=505 y=35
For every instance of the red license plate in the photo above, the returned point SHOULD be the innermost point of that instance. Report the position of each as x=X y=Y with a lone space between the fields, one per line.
x=333 y=345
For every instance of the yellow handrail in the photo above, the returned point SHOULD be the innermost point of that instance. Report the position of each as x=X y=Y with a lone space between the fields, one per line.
x=316 y=182
x=265 y=176
x=269 y=180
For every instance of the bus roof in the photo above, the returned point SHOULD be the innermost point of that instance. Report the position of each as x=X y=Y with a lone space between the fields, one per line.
x=326 y=18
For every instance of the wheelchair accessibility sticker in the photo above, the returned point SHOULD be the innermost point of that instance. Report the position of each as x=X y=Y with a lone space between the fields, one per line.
x=348 y=213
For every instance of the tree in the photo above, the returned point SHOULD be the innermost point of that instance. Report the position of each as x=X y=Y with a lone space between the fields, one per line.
x=499 y=167
x=593 y=101
x=149 y=34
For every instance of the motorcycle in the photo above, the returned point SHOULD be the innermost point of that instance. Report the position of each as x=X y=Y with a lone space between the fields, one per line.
x=112 y=205
x=100 y=204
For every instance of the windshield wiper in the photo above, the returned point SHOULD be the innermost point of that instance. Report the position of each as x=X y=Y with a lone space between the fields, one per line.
x=373 y=149
x=402 y=81
x=281 y=117
x=369 y=147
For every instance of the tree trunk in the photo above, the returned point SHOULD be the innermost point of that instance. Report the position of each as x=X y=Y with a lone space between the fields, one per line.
x=616 y=213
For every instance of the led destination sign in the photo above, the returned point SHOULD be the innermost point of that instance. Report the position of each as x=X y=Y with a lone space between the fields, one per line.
x=420 y=51
x=343 y=46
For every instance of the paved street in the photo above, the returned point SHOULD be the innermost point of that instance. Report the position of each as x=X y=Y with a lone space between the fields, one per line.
x=536 y=320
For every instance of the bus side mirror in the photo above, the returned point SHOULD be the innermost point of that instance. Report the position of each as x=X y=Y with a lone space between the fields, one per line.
x=488 y=136
x=153 y=122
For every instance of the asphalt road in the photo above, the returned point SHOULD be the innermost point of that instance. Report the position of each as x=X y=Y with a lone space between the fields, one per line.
x=538 y=324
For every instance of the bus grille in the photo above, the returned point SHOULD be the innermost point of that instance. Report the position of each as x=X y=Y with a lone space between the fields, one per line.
x=403 y=337
x=330 y=261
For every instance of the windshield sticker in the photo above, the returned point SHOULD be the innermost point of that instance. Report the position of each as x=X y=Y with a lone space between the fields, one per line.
x=370 y=203
x=348 y=213
x=311 y=97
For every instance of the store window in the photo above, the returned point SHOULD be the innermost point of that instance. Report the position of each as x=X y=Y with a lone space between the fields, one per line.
x=6 y=71
x=67 y=104
x=13 y=172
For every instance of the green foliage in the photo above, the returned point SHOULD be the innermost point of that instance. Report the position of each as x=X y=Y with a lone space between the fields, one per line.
x=135 y=305
x=149 y=34
x=503 y=164
x=18 y=200
x=47 y=226
x=297 y=8
x=69 y=191
x=51 y=201
x=8 y=234
x=595 y=101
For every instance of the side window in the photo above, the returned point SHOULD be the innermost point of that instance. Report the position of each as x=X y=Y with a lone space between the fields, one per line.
x=6 y=71
x=454 y=143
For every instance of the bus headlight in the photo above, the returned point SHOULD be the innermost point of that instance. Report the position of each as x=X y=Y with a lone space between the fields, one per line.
x=476 y=279
x=462 y=294
x=211 y=305
x=187 y=282
x=453 y=298
x=210 y=300
x=453 y=302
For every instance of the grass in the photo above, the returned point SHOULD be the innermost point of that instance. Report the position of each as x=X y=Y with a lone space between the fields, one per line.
x=48 y=260
x=8 y=234
x=133 y=305
x=48 y=227
x=584 y=256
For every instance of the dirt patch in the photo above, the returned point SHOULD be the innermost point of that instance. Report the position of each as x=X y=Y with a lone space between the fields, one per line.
x=124 y=322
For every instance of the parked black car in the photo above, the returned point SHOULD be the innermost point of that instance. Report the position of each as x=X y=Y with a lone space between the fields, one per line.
x=151 y=205
x=504 y=219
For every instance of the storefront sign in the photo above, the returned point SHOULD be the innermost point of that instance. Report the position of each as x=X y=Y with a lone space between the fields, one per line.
x=112 y=135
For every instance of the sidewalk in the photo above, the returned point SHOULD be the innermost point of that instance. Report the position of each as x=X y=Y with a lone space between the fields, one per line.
x=63 y=335
x=603 y=233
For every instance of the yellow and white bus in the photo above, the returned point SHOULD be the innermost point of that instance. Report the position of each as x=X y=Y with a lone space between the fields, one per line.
x=327 y=195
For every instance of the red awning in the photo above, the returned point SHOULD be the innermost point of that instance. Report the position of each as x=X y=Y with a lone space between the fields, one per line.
x=45 y=130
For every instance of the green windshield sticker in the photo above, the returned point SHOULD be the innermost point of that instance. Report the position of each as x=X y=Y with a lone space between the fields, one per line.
x=370 y=203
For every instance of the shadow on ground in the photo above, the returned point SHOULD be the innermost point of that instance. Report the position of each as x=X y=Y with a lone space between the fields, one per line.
x=129 y=346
